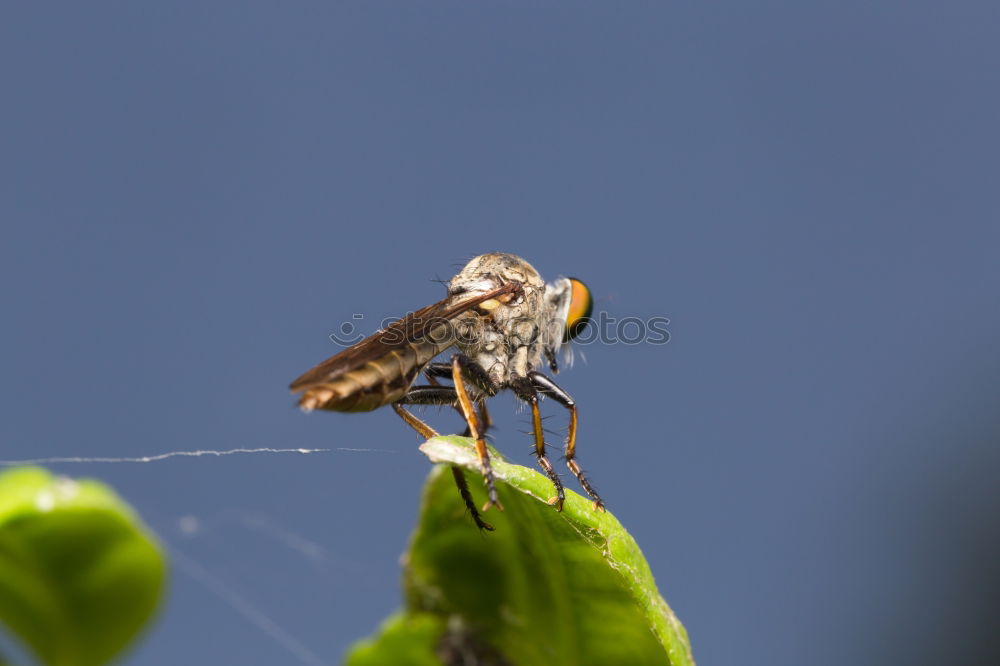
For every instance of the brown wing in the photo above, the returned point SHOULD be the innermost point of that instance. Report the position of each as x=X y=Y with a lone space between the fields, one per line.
x=410 y=328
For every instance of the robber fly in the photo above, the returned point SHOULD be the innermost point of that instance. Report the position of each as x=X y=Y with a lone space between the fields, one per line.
x=505 y=322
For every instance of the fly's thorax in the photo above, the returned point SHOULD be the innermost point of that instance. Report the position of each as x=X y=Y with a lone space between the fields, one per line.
x=508 y=337
x=506 y=340
x=488 y=271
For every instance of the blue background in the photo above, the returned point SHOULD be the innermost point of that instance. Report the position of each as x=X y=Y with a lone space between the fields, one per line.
x=195 y=195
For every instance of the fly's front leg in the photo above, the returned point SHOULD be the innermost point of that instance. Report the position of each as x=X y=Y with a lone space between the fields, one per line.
x=526 y=391
x=439 y=395
x=458 y=364
x=549 y=388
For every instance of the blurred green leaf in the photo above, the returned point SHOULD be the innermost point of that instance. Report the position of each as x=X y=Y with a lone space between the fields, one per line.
x=411 y=639
x=545 y=588
x=79 y=573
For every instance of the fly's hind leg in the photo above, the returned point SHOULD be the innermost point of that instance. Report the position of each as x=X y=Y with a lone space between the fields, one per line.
x=422 y=428
x=549 y=388
x=421 y=395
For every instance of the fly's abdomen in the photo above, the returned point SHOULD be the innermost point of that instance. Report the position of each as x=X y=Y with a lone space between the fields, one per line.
x=380 y=381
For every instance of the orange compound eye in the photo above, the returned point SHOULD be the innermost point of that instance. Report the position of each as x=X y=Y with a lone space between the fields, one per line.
x=581 y=305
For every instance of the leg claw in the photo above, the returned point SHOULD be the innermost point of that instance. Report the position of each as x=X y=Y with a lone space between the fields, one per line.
x=489 y=503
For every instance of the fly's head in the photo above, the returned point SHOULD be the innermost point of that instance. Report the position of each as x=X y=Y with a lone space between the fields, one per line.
x=570 y=305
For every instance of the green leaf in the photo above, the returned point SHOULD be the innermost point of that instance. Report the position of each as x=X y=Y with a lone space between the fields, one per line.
x=411 y=639
x=545 y=588
x=79 y=573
